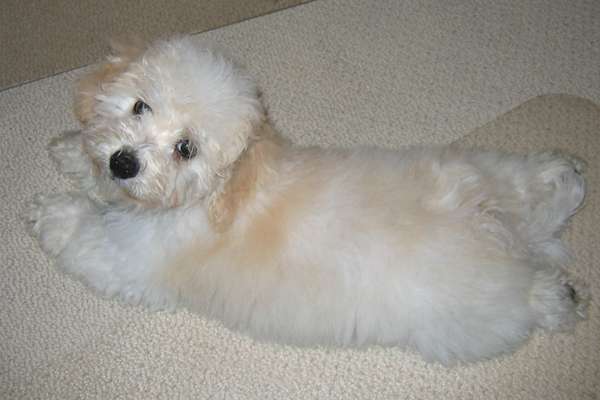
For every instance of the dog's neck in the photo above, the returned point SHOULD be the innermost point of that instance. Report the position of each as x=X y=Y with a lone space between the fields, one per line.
x=254 y=169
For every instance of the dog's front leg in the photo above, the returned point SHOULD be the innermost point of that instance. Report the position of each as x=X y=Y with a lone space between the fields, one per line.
x=115 y=251
x=67 y=151
x=55 y=219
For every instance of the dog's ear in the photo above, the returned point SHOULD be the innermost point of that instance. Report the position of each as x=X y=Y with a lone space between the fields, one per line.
x=124 y=51
x=249 y=172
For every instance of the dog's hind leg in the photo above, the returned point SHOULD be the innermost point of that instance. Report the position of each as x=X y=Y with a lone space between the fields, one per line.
x=535 y=195
x=558 y=189
x=557 y=301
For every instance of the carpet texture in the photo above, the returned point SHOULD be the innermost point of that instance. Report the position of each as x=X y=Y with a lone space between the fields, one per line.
x=333 y=73
x=41 y=38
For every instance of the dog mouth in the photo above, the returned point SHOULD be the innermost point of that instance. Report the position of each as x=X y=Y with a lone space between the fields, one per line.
x=150 y=191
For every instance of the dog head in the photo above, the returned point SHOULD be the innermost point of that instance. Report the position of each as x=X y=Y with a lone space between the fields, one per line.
x=162 y=122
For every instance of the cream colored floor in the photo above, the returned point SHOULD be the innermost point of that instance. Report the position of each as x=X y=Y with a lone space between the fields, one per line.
x=42 y=38
x=334 y=72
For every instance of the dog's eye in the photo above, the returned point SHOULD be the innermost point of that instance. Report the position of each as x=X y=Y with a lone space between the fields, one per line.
x=186 y=149
x=140 y=107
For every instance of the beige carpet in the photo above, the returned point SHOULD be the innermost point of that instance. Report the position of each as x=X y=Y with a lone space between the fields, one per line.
x=333 y=72
x=41 y=38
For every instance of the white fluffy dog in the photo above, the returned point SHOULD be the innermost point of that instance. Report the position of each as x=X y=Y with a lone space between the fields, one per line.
x=187 y=197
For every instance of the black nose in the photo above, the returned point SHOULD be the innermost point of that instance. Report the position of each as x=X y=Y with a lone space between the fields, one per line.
x=124 y=164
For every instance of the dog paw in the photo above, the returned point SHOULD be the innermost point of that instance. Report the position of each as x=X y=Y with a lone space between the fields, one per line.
x=579 y=165
x=563 y=174
x=67 y=152
x=54 y=219
x=559 y=300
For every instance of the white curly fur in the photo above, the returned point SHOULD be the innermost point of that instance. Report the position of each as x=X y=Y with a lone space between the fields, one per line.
x=452 y=252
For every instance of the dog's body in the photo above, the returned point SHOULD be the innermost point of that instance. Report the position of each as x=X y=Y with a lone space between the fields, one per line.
x=188 y=197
